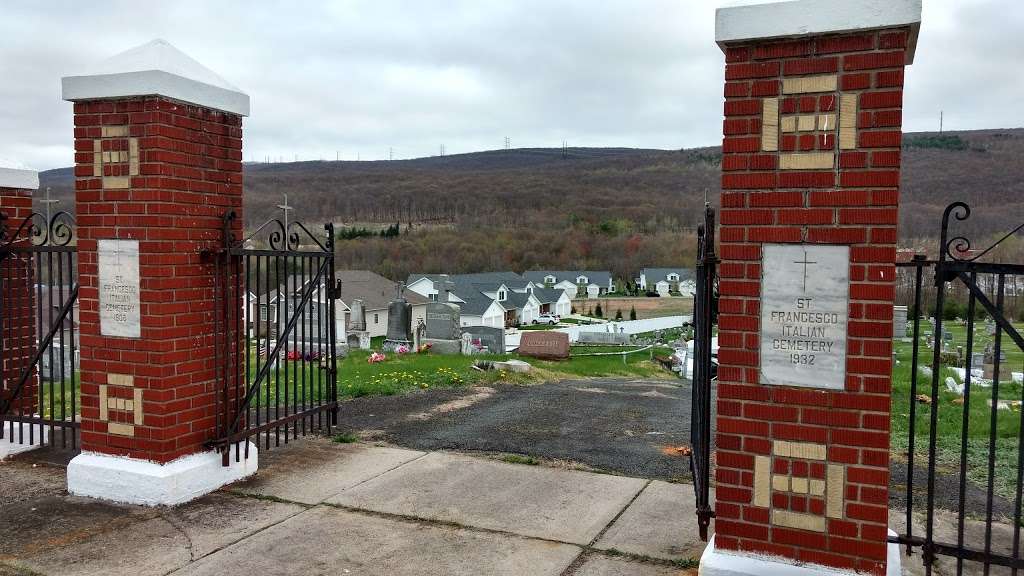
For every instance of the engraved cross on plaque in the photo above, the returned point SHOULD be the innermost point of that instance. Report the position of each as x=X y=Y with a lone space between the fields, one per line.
x=805 y=262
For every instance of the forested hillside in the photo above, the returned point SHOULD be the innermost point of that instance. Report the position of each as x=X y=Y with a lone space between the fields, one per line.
x=618 y=209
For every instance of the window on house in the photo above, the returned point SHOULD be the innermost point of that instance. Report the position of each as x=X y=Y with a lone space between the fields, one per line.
x=501 y=295
x=673 y=277
x=433 y=297
x=549 y=279
x=376 y=318
x=582 y=280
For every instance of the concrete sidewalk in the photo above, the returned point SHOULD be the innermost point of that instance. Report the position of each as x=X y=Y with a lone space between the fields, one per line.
x=317 y=507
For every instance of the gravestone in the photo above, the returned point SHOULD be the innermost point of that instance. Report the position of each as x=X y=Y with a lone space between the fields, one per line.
x=359 y=340
x=485 y=339
x=546 y=345
x=358 y=336
x=899 y=321
x=442 y=329
x=357 y=317
x=399 y=322
x=443 y=321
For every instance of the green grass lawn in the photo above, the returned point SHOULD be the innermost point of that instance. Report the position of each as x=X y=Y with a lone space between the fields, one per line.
x=950 y=423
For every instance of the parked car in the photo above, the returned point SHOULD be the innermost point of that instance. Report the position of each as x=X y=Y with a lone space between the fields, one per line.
x=547 y=319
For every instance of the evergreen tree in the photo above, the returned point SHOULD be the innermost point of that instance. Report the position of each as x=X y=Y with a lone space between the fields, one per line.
x=632 y=312
x=598 y=311
x=618 y=314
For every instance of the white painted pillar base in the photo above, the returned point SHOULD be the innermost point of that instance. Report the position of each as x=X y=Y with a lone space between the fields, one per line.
x=132 y=481
x=12 y=441
x=727 y=563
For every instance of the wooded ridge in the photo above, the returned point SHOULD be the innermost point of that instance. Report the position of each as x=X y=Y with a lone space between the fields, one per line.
x=597 y=208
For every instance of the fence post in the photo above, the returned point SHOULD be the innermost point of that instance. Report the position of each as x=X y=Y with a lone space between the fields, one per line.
x=158 y=162
x=811 y=165
x=17 y=312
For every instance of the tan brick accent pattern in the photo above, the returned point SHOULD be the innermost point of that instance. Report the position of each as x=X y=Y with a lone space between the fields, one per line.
x=161 y=172
x=803 y=473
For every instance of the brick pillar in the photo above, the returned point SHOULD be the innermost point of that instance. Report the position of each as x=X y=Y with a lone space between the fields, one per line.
x=158 y=162
x=810 y=191
x=17 y=304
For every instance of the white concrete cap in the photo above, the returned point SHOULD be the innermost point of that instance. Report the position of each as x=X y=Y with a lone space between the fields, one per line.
x=16 y=175
x=156 y=68
x=806 y=17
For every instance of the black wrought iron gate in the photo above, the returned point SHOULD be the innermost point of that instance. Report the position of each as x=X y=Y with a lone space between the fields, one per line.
x=276 y=329
x=704 y=313
x=39 y=391
x=970 y=418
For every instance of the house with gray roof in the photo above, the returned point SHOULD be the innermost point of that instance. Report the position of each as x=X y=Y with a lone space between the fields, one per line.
x=587 y=283
x=496 y=299
x=668 y=281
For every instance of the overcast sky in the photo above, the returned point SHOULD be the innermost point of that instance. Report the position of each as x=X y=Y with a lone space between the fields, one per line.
x=361 y=77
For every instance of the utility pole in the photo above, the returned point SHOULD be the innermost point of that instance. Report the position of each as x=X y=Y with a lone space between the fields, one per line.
x=940 y=122
x=391 y=153
x=337 y=155
x=508 y=143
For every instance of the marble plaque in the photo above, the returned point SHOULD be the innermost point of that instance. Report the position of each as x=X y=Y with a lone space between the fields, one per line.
x=805 y=293
x=119 y=288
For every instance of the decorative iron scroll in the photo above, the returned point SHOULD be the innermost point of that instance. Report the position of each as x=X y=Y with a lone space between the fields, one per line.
x=277 y=234
x=58 y=231
x=958 y=247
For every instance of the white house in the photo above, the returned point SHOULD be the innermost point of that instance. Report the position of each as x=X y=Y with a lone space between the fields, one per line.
x=496 y=299
x=666 y=281
x=579 y=283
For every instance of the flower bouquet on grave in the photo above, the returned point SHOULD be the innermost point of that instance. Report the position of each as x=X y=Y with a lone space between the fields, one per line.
x=376 y=357
x=424 y=348
x=403 y=349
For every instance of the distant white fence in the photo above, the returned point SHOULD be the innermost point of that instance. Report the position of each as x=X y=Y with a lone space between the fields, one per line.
x=624 y=327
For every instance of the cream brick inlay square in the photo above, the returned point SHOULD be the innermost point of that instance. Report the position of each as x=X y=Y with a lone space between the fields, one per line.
x=805 y=122
x=770 y=124
x=802 y=450
x=809 y=161
x=134 y=406
x=799 y=521
x=128 y=158
x=120 y=379
x=762 y=474
x=120 y=429
x=816 y=487
x=826 y=121
x=810 y=84
x=835 y=479
x=789 y=124
x=799 y=485
x=780 y=483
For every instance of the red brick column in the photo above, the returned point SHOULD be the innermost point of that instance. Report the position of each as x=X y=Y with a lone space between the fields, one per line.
x=161 y=172
x=811 y=155
x=17 y=306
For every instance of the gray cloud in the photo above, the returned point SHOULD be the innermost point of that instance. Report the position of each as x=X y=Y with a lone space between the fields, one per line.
x=360 y=77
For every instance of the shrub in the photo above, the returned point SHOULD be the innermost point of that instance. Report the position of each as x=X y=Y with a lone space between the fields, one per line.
x=618 y=314
x=632 y=312
x=598 y=311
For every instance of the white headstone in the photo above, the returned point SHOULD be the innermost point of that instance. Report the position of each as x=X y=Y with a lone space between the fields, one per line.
x=119 y=288
x=804 y=313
